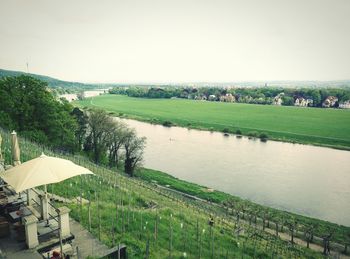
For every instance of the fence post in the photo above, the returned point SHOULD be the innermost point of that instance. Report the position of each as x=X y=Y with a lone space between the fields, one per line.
x=99 y=217
x=89 y=214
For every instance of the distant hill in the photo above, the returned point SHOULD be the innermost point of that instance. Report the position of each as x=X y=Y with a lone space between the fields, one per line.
x=52 y=82
x=56 y=83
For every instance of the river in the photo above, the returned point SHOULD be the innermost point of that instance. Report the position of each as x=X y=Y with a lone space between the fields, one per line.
x=90 y=93
x=308 y=180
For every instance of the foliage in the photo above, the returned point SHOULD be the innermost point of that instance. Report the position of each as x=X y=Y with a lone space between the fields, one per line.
x=27 y=106
x=100 y=128
x=57 y=85
x=263 y=136
x=327 y=127
x=133 y=147
x=287 y=100
x=81 y=131
x=167 y=123
x=107 y=137
x=319 y=226
x=253 y=95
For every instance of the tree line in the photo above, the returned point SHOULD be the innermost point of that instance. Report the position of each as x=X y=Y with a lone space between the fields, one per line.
x=254 y=95
x=28 y=106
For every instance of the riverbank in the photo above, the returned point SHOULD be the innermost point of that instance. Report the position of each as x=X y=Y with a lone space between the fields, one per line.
x=312 y=126
x=319 y=227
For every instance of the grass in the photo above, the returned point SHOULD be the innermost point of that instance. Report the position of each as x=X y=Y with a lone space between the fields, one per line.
x=130 y=211
x=341 y=233
x=324 y=127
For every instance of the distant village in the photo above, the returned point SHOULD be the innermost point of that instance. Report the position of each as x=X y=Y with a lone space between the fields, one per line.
x=329 y=102
x=323 y=98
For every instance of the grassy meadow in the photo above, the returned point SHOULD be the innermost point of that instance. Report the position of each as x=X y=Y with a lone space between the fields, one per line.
x=324 y=127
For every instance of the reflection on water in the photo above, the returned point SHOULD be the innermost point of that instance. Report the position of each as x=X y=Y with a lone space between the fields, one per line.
x=307 y=180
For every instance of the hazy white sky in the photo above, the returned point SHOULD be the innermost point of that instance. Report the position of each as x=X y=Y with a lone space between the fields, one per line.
x=178 y=40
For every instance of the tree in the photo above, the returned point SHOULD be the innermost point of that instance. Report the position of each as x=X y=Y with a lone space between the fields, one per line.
x=81 y=130
x=116 y=140
x=287 y=100
x=133 y=151
x=100 y=128
x=27 y=106
x=316 y=97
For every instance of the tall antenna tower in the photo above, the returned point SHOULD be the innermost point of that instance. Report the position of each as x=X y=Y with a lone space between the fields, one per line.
x=27 y=68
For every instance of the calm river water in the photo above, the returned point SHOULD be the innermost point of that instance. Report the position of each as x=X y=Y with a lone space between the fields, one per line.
x=308 y=180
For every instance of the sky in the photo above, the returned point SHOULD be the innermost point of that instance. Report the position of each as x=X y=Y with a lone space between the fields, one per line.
x=133 y=41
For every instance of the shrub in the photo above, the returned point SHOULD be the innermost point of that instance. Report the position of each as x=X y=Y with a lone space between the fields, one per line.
x=238 y=132
x=226 y=130
x=263 y=136
x=253 y=134
x=167 y=124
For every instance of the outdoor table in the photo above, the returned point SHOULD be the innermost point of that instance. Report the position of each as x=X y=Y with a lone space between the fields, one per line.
x=16 y=216
x=15 y=199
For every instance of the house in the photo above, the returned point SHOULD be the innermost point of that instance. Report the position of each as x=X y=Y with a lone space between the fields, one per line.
x=345 y=105
x=277 y=100
x=229 y=98
x=330 y=101
x=212 y=97
x=302 y=102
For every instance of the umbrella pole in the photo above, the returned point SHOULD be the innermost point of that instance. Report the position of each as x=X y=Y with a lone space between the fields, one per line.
x=46 y=204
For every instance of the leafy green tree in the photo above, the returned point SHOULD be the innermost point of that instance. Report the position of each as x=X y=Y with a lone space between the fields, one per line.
x=287 y=100
x=27 y=106
x=133 y=151
x=100 y=128
x=116 y=140
x=316 y=97
x=81 y=130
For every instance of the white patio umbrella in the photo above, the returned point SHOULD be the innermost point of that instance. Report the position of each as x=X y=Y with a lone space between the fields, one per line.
x=40 y=171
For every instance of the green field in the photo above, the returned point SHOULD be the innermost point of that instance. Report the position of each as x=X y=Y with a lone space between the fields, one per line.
x=325 y=127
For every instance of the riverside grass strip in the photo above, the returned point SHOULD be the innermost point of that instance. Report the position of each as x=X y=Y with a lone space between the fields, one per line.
x=108 y=189
x=323 y=127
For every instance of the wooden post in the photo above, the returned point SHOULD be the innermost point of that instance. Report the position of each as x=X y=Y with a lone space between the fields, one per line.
x=113 y=238
x=212 y=241
x=123 y=221
x=147 y=248
x=129 y=210
x=141 y=227
x=200 y=243
x=81 y=198
x=89 y=212
x=170 y=240
x=156 y=227
x=116 y=213
x=99 y=218
x=89 y=215
x=198 y=253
